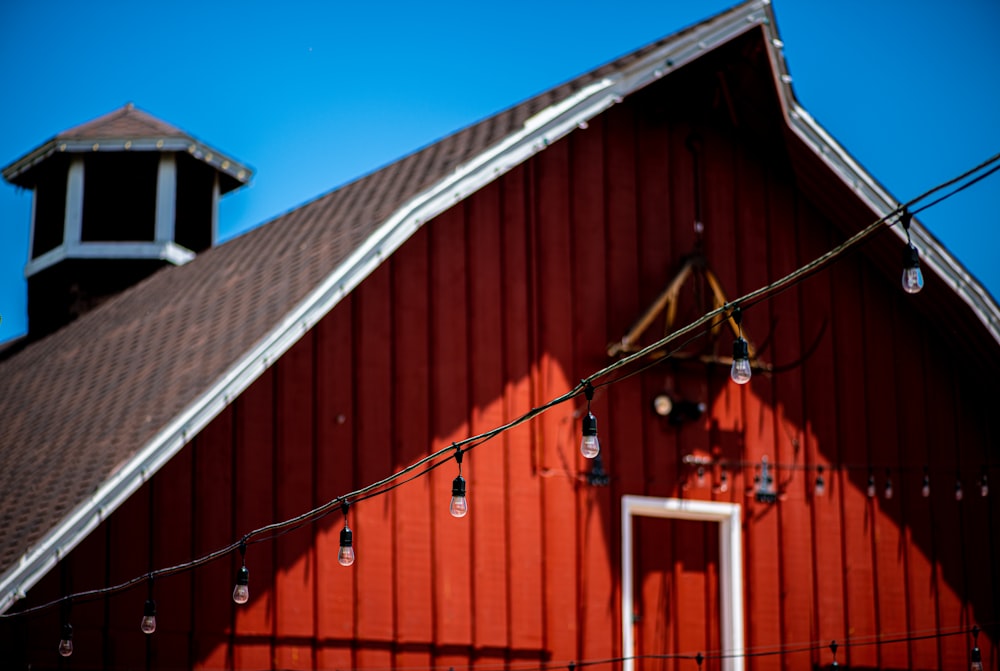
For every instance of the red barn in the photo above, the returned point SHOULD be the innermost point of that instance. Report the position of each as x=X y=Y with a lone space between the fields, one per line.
x=174 y=397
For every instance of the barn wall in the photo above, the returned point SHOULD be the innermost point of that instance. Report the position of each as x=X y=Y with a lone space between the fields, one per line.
x=498 y=305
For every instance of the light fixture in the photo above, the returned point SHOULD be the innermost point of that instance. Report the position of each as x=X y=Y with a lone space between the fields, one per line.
x=241 y=592
x=871 y=484
x=346 y=554
x=677 y=411
x=913 y=279
x=984 y=484
x=888 y=484
x=459 y=505
x=663 y=404
x=66 y=642
x=820 y=482
x=925 y=488
x=975 y=656
x=958 y=489
x=590 y=447
x=148 y=624
x=740 y=372
x=765 y=485
x=833 y=651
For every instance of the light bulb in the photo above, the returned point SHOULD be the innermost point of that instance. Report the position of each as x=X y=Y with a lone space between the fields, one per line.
x=241 y=593
x=663 y=404
x=346 y=554
x=958 y=490
x=984 y=486
x=66 y=643
x=976 y=663
x=590 y=447
x=871 y=486
x=148 y=624
x=888 y=486
x=740 y=372
x=459 y=506
x=925 y=489
x=913 y=279
x=820 y=482
x=723 y=482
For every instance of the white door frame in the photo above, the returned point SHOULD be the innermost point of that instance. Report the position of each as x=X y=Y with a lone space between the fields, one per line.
x=729 y=517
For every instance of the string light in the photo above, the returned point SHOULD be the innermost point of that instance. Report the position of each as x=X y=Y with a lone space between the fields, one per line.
x=66 y=642
x=241 y=592
x=148 y=624
x=459 y=505
x=383 y=486
x=913 y=279
x=833 y=650
x=699 y=658
x=723 y=485
x=975 y=656
x=346 y=554
x=925 y=488
x=820 y=488
x=958 y=489
x=984 y=485
x=888 y=484
x=871 y=484
x=590 y=447
x=740 y=372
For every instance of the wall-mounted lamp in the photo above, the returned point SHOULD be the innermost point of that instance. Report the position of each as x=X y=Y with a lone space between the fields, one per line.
x=677 y=411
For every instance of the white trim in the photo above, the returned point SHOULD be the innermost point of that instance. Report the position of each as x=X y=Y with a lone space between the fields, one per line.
x=215 y=209
x=202 y=152
x=166 y=198
x=729 y=518
x=73 y=222
x=162 y=250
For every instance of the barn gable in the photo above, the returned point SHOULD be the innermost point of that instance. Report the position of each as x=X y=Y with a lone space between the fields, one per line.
x=346 y=266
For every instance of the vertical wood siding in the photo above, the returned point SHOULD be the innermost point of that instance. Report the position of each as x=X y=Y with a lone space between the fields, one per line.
x=500 y=304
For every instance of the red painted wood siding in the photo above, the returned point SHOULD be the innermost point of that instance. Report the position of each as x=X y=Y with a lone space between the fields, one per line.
x=500 y=304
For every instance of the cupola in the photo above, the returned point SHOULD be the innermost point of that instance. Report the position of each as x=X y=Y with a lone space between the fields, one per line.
x=115 y=199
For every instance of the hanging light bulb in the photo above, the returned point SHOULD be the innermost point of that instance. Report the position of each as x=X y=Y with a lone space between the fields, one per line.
x=346 y=554
x=459 y=506
x=984 y=485
x=958 y=490
x=66 y=642
x=820 y=482
x=975 y=656
x=913 y=279
x=723 y=482
x=888 y=484
x=871 y=485
x=833 y=650
x=740 y=372
x=241 y=592
x=925 y=488
x=590 y=447
x=148 y=624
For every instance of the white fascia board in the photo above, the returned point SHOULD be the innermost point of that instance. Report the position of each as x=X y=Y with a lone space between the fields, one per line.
x=201 y=151
x=933 y=255
x=165 y=251
x=538 y=132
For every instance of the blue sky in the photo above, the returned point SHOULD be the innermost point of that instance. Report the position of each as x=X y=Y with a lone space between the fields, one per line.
x=314 y=94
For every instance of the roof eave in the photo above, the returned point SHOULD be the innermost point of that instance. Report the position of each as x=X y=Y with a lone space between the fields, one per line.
x=239 y=174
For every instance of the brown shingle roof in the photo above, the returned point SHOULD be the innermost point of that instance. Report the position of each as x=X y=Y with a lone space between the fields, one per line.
x=124 y=123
